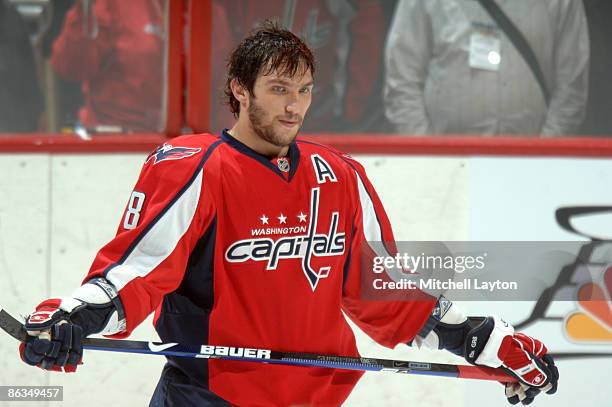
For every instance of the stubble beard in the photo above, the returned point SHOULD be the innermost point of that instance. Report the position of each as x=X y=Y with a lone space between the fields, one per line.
x=257 y=117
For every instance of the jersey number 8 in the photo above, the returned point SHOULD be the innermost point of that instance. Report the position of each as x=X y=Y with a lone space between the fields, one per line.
x=132 y=213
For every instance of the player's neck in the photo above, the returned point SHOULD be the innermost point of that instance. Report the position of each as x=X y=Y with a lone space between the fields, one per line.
x=245 y=134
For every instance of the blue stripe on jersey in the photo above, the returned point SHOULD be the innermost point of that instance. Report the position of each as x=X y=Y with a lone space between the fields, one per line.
x=349 y=256
x=185 y=314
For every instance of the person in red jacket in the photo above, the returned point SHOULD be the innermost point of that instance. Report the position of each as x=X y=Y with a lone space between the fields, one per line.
x=115 y=48
x=257 y=238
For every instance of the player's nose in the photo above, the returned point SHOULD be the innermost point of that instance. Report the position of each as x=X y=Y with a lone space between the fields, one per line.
x=292 y=107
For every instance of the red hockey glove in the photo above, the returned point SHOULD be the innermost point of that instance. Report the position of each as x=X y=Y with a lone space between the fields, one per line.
x=55 y=343
x=490 y=341
x=526 y=359
x=57 y=326
x=493 y=343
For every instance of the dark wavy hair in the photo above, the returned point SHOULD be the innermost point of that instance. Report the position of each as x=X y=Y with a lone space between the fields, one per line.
x=268 y=48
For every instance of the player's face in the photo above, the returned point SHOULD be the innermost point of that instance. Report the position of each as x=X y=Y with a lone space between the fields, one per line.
x=278 y=105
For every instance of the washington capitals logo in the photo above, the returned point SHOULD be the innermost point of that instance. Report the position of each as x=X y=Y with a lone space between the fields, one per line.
x=305 y=246
x=167 y=152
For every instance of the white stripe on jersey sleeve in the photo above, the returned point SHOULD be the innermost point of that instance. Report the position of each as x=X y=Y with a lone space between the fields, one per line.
x=371 y=227
x=161 y=240
x=372 y=231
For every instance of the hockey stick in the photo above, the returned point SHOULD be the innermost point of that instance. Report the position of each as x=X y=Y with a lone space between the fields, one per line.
x=16 y=329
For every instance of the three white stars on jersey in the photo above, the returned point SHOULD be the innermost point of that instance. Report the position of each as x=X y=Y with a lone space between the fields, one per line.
x=282 y=218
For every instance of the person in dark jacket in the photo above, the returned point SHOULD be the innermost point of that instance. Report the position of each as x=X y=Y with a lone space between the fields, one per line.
x=21 y=101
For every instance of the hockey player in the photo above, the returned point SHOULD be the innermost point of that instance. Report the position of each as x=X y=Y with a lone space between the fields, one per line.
x=256 y=238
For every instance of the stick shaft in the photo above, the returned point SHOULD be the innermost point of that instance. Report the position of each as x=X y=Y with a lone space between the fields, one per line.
x=299 y=359
x=16 y=329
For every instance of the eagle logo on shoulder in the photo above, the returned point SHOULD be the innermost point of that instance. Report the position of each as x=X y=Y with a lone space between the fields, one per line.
x=169 y=152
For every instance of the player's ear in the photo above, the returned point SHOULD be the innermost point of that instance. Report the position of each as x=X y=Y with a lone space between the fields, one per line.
x=240 y=93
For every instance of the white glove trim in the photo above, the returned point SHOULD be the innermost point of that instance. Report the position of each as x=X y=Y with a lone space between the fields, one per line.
x=94 y=294
x=452 y=315
x=489 y=355
x=69 y=304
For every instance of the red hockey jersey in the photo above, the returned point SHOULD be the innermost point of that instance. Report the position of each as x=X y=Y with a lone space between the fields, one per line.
x=235 y=249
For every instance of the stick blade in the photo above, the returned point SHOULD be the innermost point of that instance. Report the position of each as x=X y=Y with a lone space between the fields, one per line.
x=12 y=326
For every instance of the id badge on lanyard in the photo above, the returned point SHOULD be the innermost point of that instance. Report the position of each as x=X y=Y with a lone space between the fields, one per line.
x=485 y=47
